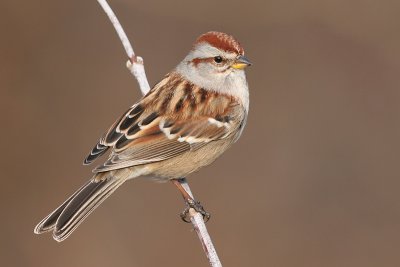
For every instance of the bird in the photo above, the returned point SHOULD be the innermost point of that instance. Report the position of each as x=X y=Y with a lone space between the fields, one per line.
x=186 y=121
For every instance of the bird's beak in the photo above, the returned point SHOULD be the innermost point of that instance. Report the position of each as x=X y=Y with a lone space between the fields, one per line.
x=241 y=62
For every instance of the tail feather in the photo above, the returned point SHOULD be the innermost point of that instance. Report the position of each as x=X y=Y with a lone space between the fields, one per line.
x=49 y=222
x=76 y=211
x=67 y=217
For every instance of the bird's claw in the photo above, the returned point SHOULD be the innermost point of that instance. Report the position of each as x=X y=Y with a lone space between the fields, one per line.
x=193 y=204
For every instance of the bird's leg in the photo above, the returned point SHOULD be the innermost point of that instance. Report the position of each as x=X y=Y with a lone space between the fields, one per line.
x=190 y=204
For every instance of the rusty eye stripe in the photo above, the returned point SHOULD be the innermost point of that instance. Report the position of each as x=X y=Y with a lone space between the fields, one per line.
x=197 y=61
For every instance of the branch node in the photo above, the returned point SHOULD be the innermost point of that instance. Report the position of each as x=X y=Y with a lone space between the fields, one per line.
x=135 y=59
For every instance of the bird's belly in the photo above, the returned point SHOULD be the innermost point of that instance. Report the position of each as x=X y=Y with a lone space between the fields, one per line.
x=188 y=162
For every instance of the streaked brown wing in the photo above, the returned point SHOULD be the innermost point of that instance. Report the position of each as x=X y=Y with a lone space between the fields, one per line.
x=174 y=118
x=158 y=142
x=127 y=122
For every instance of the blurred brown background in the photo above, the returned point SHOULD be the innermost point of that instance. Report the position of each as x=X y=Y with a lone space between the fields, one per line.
x=314 y=181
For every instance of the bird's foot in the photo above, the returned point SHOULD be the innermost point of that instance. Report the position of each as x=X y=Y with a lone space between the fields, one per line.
x=193 y=204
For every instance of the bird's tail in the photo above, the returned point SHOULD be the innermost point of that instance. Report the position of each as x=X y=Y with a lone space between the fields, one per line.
x=67 y=217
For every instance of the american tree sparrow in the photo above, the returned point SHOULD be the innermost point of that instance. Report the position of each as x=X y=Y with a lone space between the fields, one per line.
x=187 y=120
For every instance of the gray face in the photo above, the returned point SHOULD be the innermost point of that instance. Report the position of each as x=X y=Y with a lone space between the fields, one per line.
x=202 y=67
x=211 y=61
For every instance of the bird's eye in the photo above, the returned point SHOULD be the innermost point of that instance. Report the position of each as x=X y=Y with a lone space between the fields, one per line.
x=218 y=59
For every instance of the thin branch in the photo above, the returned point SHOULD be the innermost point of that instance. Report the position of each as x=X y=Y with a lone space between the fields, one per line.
x=135 y=63
x=199 y=226
x=118 y=28
x=136 y=66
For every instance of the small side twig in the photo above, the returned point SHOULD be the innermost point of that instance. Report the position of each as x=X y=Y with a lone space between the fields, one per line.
x=136 y=66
